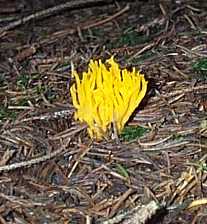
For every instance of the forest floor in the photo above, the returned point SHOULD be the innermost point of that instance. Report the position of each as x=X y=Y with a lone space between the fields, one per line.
x=50 y=170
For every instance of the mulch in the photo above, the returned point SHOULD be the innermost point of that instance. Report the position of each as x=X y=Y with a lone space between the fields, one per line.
x=50 y=170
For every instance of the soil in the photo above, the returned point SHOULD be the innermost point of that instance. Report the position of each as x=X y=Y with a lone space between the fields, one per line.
x=50 y=169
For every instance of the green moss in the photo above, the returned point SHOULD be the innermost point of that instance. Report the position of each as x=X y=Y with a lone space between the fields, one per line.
x=48 y=92
x=200 y=65
x=204 y=167
x=201 y=68
x=129 y=38
x=177 y=137
x=2 y=79
x=142 y=58
x=131 y=133
x=97 y=32
x=6 y=114
x=23 y=81
x=22 y=102
x=122 y=170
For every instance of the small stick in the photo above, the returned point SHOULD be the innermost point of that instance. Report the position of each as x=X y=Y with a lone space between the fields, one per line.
x=31 y=162
x=34 y=161
x=138 y=215
x=49 y=12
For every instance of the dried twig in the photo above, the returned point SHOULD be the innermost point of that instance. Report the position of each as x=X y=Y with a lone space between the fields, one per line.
x=36 y=160
x=138 y=215
x=49 y=12
x=31 y=162
x=62 y=33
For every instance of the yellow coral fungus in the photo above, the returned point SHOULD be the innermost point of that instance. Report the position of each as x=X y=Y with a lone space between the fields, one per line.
x=106 y=95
